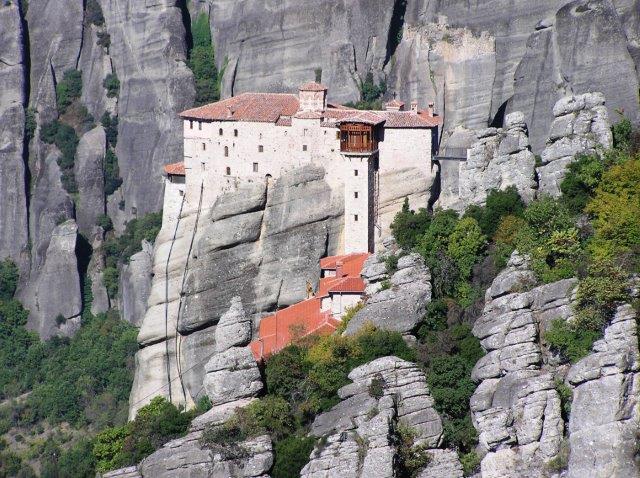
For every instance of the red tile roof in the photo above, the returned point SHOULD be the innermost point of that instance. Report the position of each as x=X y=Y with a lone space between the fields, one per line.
x=175 y=169
x=363 y=116
x=259 y=107
x=395 y=103
x=278 y=330
x=309 y=115
x=312 y=86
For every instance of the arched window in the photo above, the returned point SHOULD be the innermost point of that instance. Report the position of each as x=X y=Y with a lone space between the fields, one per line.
x=226 y=151
x=228 y=171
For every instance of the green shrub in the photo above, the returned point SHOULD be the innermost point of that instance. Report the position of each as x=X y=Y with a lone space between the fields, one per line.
x=435 y=318
x=291 y=454
x=110 y=125
x=104 y=222
x=66 y=139
x=391 y=264
x=570 y=342
x=370 y=94
x=411 y=458
x=68 y=89
x=202 y=62
x=465 y=245
x=498 y=204
x=385 y=284
x=30 y=124
x=94 y=13
x=377 y=386
x=111 y=281
x=108 y=448
x=470 y=463
x=112 y=84
x=408 y=226
x=582 y=177
x=8 y=279
x=272 y=414
x=565 y=393
x=561 y=461
x=104 y=39
x=112 y=179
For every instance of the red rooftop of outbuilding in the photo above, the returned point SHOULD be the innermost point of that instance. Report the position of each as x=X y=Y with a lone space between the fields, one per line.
x=175 y=169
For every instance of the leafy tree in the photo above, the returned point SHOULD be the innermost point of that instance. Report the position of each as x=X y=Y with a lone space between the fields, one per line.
x=66 y=139
x=465 y=245
x=408 y=226
x=499 y=203
x=582 y=178
x=202 y=62
x=94 y=13
x=291 y=454
x=8 y=279
x=112 y=84
x=436 y=238
x=571 y=342
x=68 y=89
x=370 y=93
x=110 y=125
x=112 y=179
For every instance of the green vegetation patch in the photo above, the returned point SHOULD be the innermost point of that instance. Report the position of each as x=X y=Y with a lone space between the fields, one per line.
x=202 y=62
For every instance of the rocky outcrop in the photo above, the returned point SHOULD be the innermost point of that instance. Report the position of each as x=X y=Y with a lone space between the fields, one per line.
x=499 y=159
x=581 y=126
x=89 y=173
x=358 y=433
x=276 y=47
x=604 y=421
x=54 y=309
x=582 y=47
x=13 y=193
x=148 y=49
x=398 y=304
x=232 y=373
x=135 y=285
x=241 y=247
x=516 y=408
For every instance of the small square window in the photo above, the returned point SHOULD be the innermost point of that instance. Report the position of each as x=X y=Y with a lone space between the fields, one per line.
x=204 y=146
x=200 y=125
x=202 y=166
x=355 y=194
x=355 y=217
x=220 y=131
x=255 y=167
x=304 y=147
x=190 y=124
x=337 y=134
x=260 y=148
x=235 y=133
x=304 y=132
x=355 y=172
x=228 y=171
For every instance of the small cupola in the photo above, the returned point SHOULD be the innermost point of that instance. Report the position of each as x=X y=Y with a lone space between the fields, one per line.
x=312 y=96
x=394 y=105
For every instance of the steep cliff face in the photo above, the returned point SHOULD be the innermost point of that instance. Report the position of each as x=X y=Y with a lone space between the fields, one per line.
x=13 y=198
x=260 y=244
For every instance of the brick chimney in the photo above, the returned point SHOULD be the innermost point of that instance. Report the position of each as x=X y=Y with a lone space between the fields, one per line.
x=312 y=96
x=414 y=106
x=430 y=109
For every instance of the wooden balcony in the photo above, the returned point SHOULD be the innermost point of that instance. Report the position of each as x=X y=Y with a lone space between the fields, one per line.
x=358 y=138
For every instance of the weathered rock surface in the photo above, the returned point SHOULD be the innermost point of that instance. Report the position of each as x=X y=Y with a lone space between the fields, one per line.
x=13 y=195
x=148 y=49
x=499 y=159
x=561 y=57
x=135 y=285
x=359 y=430
x=400 y=307
x=604 y=421
x=89 y=172
x=57 y=290
x=581 y=125
x=277 y=46
x=516 y=408
x=232 y=373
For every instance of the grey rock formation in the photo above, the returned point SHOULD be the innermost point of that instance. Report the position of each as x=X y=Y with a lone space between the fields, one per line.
x=561 y=58
x=499 y=159
x=516 y=408
x=604 y=421
x=232 y=373
x=57 y=290
x=89 y=172
x=277 y=46
x=400 y=307
x=148 y=48
x=135 y=285
x=358 y=431
x=581 y=125
x=13 y=194
x=187 y=458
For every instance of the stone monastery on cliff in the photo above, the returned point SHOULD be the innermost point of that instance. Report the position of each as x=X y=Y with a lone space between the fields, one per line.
x=258 y=136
